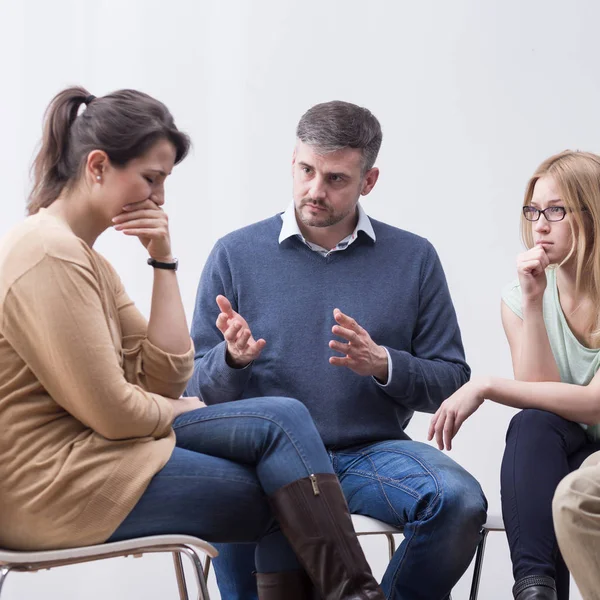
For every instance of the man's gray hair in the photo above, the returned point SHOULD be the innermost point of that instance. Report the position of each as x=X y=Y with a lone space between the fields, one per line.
x=336 y=125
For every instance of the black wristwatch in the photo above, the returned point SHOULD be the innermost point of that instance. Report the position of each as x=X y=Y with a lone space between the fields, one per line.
x=171 y=266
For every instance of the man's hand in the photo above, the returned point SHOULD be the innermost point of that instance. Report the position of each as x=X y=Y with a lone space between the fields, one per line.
x=362 y=354
x=454 y=412
x=242 y=348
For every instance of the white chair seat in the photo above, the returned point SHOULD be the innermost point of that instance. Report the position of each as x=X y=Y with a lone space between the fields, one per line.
x=11 y=560
x=364 y=525
x=494 y=523
x=102 y=550
x=368 y=526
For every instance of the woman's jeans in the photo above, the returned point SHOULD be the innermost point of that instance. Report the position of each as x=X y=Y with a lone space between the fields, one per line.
x=541 y=449
x=228 y=459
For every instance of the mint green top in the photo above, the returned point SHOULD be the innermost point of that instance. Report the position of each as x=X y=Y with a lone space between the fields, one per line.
x=576 y=363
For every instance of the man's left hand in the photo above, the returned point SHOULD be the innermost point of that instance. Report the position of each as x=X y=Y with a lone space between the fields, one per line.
x=361 y=353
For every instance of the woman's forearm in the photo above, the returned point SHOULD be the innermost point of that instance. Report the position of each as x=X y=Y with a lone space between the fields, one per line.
x=167 y=326
x=579 y=403
x=536 y=361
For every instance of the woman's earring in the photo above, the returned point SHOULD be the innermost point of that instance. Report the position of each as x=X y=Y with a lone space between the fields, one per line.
x=98 y=177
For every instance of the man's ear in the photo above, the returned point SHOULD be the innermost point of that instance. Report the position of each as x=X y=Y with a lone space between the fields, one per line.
x=369 y=180
x=293 y=159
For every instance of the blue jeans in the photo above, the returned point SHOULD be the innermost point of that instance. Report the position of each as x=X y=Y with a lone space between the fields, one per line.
x=409 y=485
x=541 y=449
x=228 y=459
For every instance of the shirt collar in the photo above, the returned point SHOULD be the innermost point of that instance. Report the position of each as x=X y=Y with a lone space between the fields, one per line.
x=289 y=227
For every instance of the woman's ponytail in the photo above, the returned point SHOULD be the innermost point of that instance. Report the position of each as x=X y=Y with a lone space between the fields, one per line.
x=50 y=168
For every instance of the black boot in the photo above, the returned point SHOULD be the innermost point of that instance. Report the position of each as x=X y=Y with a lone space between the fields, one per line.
x=314 y=517
x=535 y=587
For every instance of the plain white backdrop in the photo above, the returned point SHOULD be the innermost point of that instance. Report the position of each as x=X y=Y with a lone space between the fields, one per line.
x=472 y=96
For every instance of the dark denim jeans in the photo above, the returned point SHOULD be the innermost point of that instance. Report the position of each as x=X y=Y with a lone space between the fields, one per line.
x=406 y=484
x=541 y=449
x=228 y=459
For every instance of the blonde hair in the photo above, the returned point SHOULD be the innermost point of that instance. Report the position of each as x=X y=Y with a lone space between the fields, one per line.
x=577 y=176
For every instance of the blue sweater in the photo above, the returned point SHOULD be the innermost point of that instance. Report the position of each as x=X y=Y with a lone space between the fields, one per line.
x=394 y=287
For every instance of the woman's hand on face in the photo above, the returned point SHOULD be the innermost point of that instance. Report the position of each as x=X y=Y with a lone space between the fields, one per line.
x=185 y=404
x=454 y=412
x=149 y=222
x=531 y=269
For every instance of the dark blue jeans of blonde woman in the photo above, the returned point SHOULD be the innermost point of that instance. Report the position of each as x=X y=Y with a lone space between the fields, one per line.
x=228 y=459
x=541 y=449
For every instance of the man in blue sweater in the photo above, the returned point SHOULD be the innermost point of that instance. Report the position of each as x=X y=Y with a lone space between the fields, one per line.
x=354 y=318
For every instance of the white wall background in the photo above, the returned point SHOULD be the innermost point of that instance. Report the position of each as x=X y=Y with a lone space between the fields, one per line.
x=471 y=94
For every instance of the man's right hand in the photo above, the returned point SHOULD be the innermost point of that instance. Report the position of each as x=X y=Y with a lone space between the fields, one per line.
x=242 y=348
x=531 y=268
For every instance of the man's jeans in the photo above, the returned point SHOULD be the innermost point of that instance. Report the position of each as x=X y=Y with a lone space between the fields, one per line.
x=228 y=459
x=407 y=484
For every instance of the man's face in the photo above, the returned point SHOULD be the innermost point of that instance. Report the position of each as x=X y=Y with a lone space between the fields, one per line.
x=327 y=187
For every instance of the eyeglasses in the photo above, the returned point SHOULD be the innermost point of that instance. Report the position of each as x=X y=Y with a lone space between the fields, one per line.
x=552 y=213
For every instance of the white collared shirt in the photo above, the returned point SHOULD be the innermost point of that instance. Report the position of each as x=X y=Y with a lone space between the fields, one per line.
x=289 y=228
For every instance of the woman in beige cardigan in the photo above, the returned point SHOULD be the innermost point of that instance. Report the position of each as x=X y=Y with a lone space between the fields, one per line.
x=97 y=444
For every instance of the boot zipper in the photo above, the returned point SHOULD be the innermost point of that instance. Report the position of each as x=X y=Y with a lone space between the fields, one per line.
x=315 y=484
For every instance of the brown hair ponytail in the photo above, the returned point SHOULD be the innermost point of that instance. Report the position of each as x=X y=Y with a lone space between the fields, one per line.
x=50 y=172
x=124 y=124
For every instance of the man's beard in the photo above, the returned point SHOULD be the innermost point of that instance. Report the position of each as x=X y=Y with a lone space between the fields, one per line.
x=325 y=221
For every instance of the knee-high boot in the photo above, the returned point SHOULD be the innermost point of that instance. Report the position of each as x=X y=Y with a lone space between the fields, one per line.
x=314 y=516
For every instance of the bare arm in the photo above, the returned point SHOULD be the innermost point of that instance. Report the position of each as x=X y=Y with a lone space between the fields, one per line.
x=167 y=326
x=530 y=349
x=579 y=403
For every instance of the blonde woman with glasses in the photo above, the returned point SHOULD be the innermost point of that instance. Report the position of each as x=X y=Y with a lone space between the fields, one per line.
x=551 y=318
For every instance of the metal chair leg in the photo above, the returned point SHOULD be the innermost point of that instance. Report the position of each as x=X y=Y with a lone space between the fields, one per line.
x=196 y=559
x=478 y=565
x=391 y=544
x=4 y=571
x=180 y=576
x=207 y=562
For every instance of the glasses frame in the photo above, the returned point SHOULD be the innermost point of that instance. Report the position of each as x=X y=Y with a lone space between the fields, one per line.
x=540 y=212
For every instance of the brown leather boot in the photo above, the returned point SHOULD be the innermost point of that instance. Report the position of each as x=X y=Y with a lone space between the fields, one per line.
x=288 y=585
x=314 y=517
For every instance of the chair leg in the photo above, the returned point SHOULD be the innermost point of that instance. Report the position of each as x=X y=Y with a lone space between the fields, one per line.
x=391 y=544
x=478 y=566
x=207 y=562
x=4 y=571
x=180 y=575
x=193 y=555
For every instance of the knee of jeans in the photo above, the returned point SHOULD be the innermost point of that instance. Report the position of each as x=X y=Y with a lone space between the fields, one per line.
x=464 y=502
x=533 y=419
x=288 y=410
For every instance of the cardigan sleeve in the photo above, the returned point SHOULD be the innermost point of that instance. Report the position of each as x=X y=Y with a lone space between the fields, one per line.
x=55 y=319
x=144 y=363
